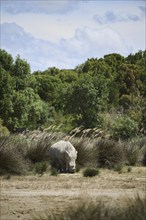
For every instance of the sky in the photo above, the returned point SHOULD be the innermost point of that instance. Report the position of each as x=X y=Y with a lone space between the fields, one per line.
x=65 y=33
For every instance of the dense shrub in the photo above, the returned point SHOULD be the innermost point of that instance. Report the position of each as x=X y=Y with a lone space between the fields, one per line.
x=124 y=127
x=12 y=155
x=3 y=130
x=90 y=172
x=109 y=153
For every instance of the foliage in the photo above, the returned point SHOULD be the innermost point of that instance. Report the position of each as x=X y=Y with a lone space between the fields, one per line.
x=90 y=172
x=21 y=68
x=77 y=97
x=124 y=127
x=3 y=130
x=84 y=99
x=6 y=60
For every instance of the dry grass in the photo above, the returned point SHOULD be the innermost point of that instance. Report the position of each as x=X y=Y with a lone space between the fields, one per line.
x=20 y=153
x=135 y=209
x=12 y=155
x=45 y=194
x=109 y=153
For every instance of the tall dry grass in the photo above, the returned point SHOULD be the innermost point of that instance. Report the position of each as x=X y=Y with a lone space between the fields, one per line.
x=20 y=153
x=12 y=151
x=135 y=151
x=133 y=209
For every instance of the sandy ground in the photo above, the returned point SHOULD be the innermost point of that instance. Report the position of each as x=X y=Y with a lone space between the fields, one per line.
x=22 y=197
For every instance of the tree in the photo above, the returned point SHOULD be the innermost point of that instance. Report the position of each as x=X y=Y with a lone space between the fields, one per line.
x=28 y=110
x=127 y=79
x=47 y=87
x=84 y=99
x=7 y=88
x=21 y=67
x=6 y=61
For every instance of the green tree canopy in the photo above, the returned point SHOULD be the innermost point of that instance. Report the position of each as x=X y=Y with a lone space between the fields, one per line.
x=84 y=99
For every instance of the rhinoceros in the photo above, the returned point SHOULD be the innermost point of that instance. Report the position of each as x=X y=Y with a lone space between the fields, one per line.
x=63 y=156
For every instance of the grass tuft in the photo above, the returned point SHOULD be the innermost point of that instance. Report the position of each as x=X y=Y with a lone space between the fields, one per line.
x=11 y=155
x=90 y=172
x=109 y=153
x=85 y=149
x=54 y=172
x=38 y=150
x=41 y=167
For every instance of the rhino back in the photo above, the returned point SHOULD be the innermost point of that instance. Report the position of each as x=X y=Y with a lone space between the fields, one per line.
x=58 y=149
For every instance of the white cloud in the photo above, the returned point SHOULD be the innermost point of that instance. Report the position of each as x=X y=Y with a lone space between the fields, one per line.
x=67 y=53
x=64 y=33
x=40 y=6
x=111 y=17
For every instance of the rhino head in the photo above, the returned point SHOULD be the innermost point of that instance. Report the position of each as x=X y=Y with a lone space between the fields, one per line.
x=71 y=161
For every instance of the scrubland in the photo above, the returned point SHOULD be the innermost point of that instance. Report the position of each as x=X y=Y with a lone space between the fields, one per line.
x=109 y=182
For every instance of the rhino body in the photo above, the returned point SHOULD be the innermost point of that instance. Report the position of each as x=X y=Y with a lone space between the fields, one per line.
x=63 y=156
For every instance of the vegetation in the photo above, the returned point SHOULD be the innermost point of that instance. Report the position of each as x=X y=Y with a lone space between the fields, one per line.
x=90 y=172
x=20 y=154
x=134 y=209
x=99 y=106
x=113 y=85
x=110 y=154
x=12 y=156
x=41 y=167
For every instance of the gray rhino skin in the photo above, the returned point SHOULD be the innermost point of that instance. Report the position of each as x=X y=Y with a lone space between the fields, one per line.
x=63 y=156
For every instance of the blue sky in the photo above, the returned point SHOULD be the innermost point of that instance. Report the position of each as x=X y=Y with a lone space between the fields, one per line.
x=64 y=33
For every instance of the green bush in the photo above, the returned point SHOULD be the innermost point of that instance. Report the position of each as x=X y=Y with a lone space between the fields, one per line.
x=90 y=172
x=109 y=153
x=3 y=130
x=124 y=127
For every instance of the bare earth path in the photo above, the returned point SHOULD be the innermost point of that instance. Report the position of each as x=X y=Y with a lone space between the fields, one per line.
x=21 y=197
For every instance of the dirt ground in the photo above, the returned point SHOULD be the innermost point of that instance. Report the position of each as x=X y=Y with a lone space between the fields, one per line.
x=22 y=197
